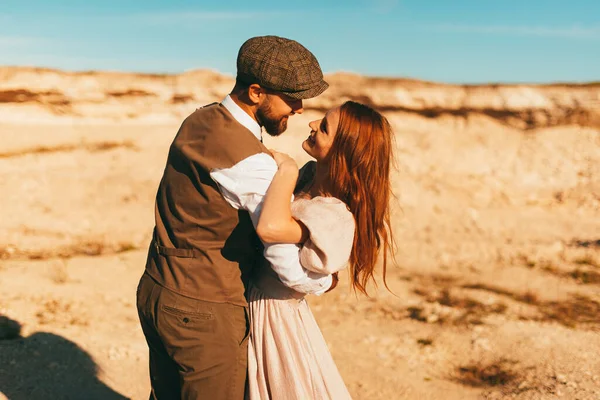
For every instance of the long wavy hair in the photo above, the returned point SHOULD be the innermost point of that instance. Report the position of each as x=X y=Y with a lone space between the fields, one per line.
x=358 y=173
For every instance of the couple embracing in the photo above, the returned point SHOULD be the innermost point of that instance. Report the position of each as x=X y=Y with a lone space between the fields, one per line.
x=222 y=298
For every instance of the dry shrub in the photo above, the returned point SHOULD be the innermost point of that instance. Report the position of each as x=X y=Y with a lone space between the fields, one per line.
x=470 y=311
x=105 y=146
x=26 y=96
x=527 y=297
x=444 y=280
x=39 y=150
x=479 y=374
x=181 y=98
x=425 y=342
x=390 y=312
x=91 y=147
x=585 y=277
x=422 y=292
x=96 y=248
x=51 y=310
x=430 y=280
x=131 y=93
x=526 y=260
x=586 y=243
x=125 y=247
x=88 y=248
x=416 y=313
x=58 y=312
x=17 y=96
x=587 y=260
x=577 y=310
x=581 y=275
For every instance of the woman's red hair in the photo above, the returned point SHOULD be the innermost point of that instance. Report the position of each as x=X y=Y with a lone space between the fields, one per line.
x=359 y=164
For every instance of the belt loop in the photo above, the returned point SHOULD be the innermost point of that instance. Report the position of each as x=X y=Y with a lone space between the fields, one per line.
x=155 y=241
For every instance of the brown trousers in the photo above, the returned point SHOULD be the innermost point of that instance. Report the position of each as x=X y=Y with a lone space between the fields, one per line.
x=198 y=349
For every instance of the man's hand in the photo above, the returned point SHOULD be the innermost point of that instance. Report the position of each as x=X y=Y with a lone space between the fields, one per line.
x=334 y=282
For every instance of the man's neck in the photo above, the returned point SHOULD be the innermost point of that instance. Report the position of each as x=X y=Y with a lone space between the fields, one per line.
x=248 y=109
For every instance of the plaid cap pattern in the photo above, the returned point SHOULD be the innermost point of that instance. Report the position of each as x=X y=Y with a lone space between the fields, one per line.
x=280 y=64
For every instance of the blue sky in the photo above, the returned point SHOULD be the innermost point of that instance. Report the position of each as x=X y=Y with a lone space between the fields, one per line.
x=460 y=41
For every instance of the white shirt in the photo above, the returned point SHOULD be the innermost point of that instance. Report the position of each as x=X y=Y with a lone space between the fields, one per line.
x=244 y=187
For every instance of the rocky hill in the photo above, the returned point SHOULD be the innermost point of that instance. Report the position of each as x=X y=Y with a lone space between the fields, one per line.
x=45 y=94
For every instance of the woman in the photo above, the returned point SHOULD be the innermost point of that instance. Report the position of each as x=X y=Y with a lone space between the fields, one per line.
x=340 y=216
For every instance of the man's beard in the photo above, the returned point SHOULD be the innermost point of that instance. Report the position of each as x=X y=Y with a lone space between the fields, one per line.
x=267 y=119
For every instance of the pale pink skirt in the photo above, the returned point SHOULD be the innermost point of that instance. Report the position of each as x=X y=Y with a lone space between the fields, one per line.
x=288 y=357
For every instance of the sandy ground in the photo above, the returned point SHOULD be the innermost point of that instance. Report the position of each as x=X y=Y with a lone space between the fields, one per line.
x=495 y=284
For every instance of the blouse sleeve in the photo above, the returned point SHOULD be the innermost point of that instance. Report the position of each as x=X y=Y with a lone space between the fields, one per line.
x=331 y=226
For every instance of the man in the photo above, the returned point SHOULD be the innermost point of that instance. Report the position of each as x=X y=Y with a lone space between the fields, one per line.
x=191 y=299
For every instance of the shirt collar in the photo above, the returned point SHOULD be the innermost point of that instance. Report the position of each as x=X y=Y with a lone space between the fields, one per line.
x=242 y=117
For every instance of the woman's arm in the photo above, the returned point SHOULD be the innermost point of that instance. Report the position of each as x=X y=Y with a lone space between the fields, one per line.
x=276 y=224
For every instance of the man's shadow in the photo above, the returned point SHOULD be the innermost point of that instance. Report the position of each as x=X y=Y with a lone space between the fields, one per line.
x=47 y=366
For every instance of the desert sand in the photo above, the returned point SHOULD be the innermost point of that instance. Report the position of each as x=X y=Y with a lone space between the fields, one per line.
x=496 y=218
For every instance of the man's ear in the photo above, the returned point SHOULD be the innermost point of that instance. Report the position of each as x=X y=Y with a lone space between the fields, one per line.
x=256 y=93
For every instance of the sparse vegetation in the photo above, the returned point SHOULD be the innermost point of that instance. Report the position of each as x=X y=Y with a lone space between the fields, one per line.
x=89 y=248
x=479 y=374
x=416 y=313
x=130 y=93
x=527 y=297
x=466 y=310
x=105 y=146
x=578 y=310
x=586 y=277
x=179 y=98
x=526 y=260
x=587 y=260
x=55 y=311
x=472 y=311
x=586 y=243
x=582 y=275
x=91 y=147
x=26 y=96
x=125 y=247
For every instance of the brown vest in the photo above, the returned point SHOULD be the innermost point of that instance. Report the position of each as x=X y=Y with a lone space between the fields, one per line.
x=203 y=248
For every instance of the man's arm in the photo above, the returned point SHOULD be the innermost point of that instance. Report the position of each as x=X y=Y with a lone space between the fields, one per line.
x=244 y=187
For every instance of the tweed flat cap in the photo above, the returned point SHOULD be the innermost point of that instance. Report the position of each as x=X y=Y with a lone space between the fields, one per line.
x=280 y=64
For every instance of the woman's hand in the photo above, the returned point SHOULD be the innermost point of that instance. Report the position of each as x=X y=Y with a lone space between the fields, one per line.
x=276 y=224
x=284 y=161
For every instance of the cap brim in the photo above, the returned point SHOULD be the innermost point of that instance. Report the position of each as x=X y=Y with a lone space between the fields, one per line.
x=308 y=93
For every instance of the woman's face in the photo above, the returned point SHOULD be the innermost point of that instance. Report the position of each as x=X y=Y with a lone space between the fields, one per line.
x=322 y=133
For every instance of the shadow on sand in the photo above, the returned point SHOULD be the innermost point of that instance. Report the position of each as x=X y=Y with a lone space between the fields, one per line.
x=47 y=366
